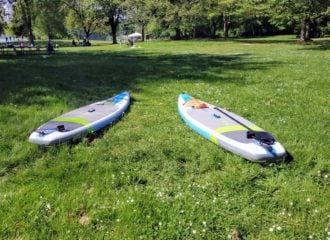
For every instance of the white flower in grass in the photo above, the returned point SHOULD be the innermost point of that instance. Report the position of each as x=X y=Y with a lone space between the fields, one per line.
x=308 y=199
x=204 y=230
x=181 y=211
x=160 y=223
x=117 y=220
x=316 y=211
x=48 y=207
x=310 y=237
x=291 y=203
x=326 y=176
x=278 y=228
x=271 y=229
x=289 y=214
x=194 y=231
x=226 y=201
x=204 y=223
x=159 y=194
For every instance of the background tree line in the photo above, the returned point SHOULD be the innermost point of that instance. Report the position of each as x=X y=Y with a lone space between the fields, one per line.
x=177 y=19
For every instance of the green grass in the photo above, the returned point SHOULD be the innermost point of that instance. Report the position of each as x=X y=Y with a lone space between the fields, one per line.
x=150 y=176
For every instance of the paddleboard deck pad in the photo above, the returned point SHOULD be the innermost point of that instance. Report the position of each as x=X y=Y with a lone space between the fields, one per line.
x=230 y=131
x=79 y=122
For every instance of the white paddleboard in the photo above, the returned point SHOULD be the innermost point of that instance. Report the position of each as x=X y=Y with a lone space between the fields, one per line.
x=79 y=122
x=229 y=130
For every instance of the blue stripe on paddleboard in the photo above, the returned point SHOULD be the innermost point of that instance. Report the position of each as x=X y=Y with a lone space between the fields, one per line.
x=185 y=97
x=110 y=120
x=119 y=97
x=271 y=151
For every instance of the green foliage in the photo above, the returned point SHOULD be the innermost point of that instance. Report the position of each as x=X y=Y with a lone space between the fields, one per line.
x=23 y=17
x=139 y=12
x=49 y=20
x=303 y=12
x=150 y=176
x=2 y=21
x=111 y=11
x=82 y=15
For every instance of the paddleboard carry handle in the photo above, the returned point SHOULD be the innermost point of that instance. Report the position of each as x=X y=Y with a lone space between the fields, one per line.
x=61 y=128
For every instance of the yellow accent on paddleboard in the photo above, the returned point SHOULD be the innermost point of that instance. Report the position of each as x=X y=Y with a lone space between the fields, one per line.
x=236 y=128
x=72 y=120
x=213 y=139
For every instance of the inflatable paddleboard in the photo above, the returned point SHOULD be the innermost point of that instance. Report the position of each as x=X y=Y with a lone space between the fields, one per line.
x=230 y=131
x=79 y=122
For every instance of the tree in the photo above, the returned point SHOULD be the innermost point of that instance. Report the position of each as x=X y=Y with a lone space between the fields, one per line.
x=49 y=20
x=191 y=17
x=251 y=15
x=24 y=14
x=82 y=14
x=2 y=21
x=228 y=8
x=112 y=13
x=140 y=12
x=303 y=12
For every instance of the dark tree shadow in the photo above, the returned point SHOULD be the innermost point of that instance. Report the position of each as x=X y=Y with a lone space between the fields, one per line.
x=317 y=44
x=81 y=78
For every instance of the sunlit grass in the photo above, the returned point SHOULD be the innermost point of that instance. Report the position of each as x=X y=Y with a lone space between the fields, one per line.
x=150 y=176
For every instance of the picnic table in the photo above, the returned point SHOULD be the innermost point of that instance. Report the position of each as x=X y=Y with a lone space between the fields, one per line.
x=22 y=51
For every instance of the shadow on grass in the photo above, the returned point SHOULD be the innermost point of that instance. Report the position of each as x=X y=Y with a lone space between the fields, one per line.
x=81 y=78
x=317 y=44
x=264 y=40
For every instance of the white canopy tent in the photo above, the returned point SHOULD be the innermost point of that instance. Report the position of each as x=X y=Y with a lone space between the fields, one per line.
x=135 y=35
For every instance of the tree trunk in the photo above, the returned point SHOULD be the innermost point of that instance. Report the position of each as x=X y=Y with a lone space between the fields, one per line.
x=29 y=25
x=225 y=25
x=194 y=33
x=177 y=33
x=114 y=33
x=142 y=31
x=253 y=29
x=87 y=32
x=213 y=29
x=305 y=29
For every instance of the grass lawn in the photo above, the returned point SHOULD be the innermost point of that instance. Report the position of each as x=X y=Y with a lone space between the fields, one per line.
x=150 y=176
